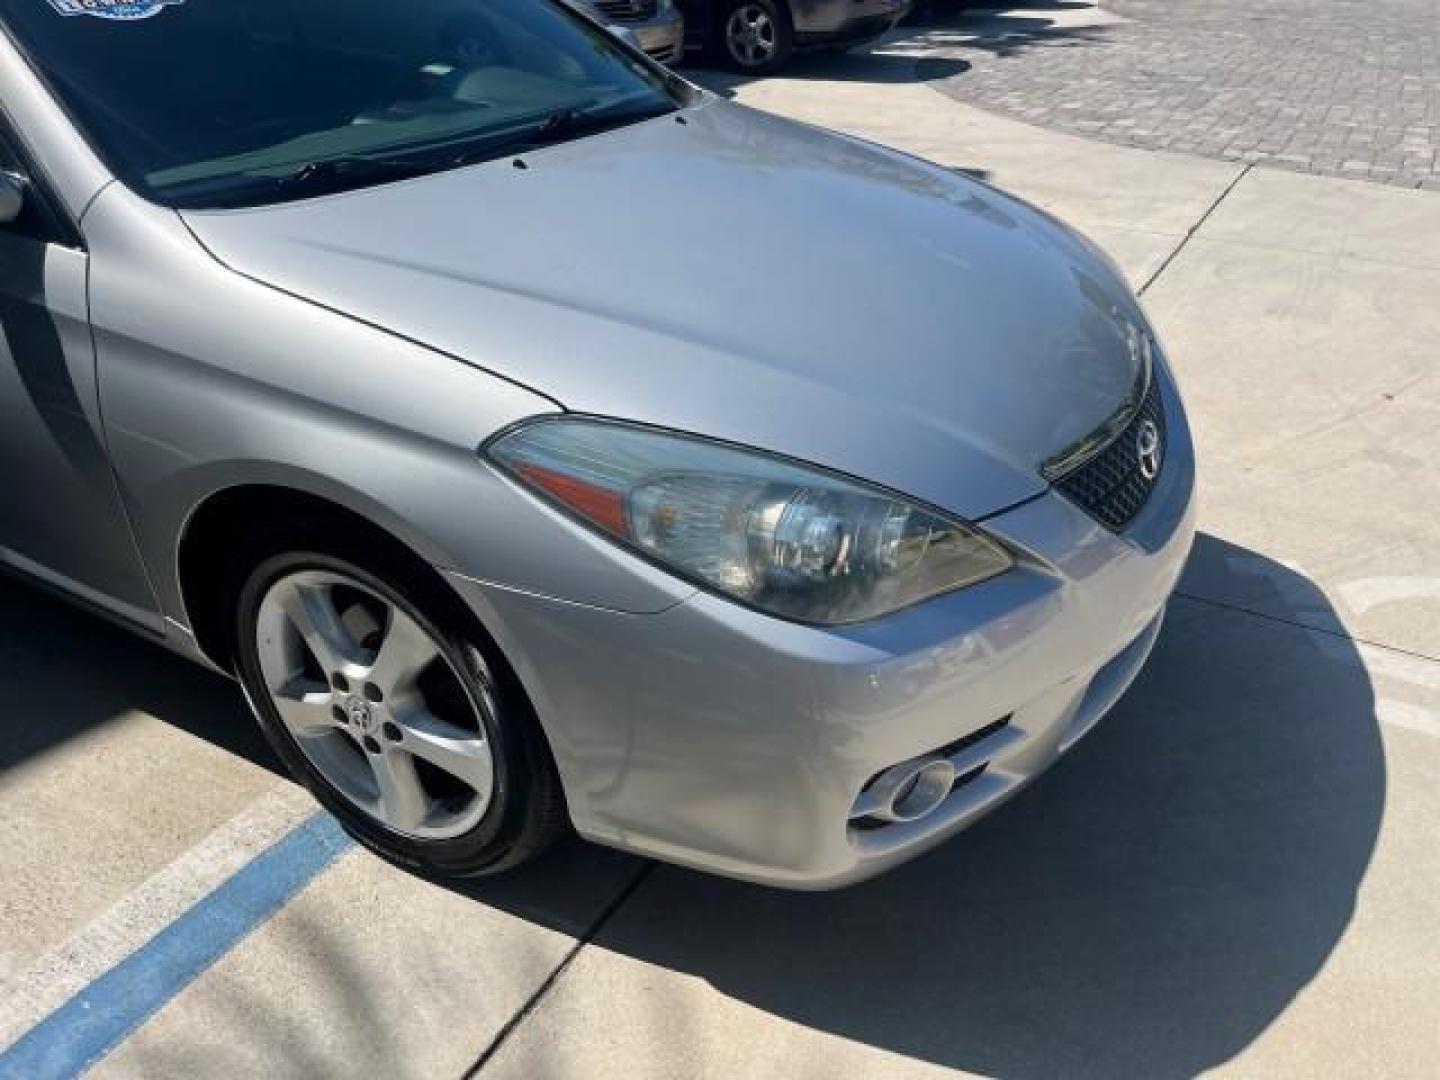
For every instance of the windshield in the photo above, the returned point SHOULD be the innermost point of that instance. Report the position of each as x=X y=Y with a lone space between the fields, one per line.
x=224 y=103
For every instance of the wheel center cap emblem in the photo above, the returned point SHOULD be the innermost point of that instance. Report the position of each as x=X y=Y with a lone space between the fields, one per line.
x=358 y=710
x=1149 y=450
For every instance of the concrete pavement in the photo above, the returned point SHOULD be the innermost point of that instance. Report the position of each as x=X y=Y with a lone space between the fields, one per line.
x=1237 y=872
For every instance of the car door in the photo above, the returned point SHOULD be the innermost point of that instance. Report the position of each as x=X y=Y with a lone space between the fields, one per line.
x=61 y=518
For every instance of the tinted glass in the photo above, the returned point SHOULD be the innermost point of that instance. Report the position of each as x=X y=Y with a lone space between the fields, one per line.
x=234 y=102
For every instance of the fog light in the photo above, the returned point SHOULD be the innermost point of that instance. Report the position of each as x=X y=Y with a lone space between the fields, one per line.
x=913 y=790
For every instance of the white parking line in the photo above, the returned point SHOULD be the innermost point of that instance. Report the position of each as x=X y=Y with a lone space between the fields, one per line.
x=1405 y=714
x=29 y=995
x=1360 y=596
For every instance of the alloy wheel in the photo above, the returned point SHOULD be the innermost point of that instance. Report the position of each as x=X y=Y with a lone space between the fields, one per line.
x=751 y=36
x=374 y=704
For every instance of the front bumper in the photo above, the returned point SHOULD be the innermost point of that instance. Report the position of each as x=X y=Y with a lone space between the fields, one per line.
x=719 y=738
x=826 y=23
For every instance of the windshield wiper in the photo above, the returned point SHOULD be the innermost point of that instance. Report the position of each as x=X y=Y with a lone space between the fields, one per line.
x=329 y=175
x=562 y=125
x=325 y=176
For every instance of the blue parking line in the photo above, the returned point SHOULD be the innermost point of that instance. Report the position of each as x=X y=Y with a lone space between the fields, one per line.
x=98 y=1018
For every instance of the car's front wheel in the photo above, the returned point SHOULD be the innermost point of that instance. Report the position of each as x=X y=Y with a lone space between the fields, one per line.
x=754 y=36
x=383 y=703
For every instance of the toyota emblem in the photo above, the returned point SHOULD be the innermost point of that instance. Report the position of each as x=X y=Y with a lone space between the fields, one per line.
x=1149 y=450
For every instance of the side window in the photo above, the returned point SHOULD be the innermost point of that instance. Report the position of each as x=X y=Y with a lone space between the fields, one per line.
x=39 y=220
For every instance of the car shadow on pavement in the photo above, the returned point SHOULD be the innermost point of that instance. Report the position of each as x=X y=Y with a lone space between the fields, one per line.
x=1147 y=908
x=998 y=29
x=857 y=66
x=64 y=672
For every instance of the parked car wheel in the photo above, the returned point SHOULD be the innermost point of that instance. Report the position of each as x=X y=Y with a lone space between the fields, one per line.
x=754 y=36
x=386 y=707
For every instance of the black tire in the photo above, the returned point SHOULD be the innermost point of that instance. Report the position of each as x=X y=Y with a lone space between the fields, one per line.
x=779 y=15
x=527 y=811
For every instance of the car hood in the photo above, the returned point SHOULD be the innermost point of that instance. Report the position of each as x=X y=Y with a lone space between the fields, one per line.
x=742 y=277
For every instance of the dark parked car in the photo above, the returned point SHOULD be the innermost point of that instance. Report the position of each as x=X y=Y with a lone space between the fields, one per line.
x=758 y=36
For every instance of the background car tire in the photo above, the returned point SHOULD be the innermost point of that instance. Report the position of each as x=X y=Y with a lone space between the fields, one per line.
x=773 y=41
x=526 y=809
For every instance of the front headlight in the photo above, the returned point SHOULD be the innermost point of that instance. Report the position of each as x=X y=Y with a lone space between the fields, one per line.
x=791 y=540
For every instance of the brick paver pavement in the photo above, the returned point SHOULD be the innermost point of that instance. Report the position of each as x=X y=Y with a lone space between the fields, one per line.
x=1336 y=87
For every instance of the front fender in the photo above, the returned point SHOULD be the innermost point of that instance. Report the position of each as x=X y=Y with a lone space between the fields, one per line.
x=210 y=380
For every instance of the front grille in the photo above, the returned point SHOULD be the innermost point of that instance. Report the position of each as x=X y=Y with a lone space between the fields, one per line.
x=625 y=11
x=1112 y=487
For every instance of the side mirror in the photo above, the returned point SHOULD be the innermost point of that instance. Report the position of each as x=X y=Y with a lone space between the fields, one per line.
x=12 y=197
x=625 y=34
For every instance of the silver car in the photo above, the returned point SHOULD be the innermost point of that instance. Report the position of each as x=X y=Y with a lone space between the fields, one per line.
x=783 y=544
x=656 y=26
